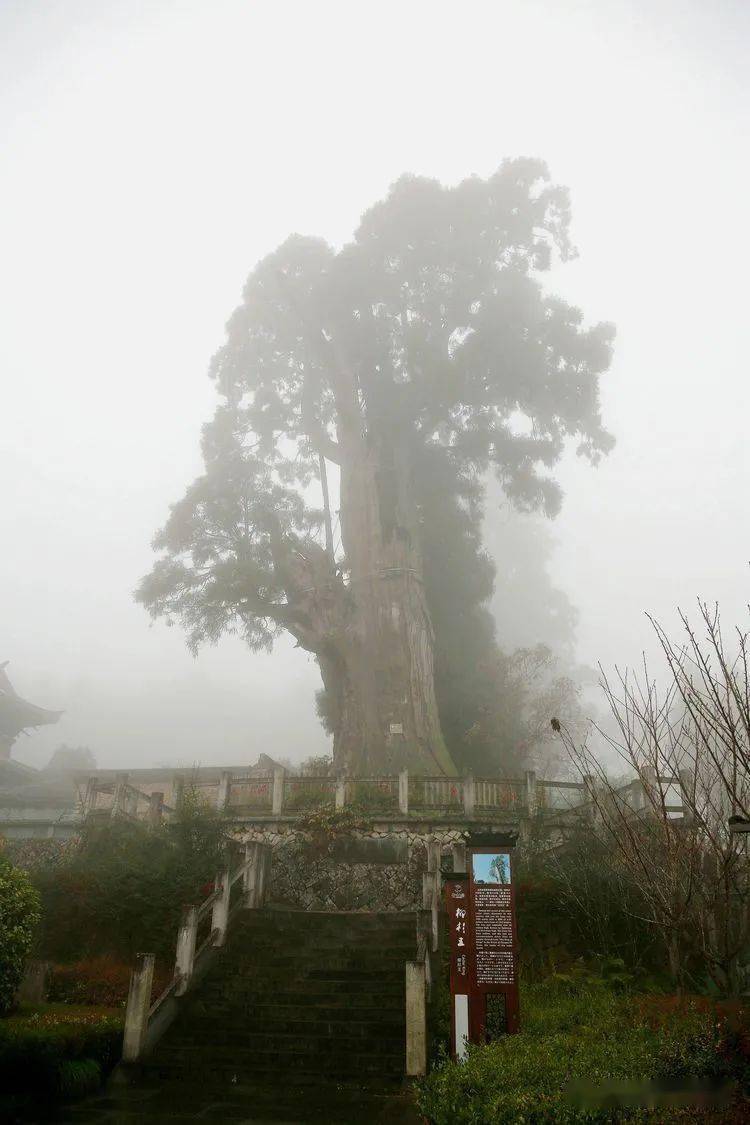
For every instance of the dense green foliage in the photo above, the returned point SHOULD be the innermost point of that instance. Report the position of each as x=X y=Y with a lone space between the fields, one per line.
x=582 y=1039
x=122 y=890
x=428 y=349
x=495 y=696
x=52 y=1052
x=19 y=917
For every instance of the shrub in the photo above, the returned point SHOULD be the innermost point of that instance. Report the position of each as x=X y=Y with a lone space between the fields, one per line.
x=308 y=797
x=54 y=1053
x=373 y=796
x=579 y=1035
x=122 y=890
x=571 y=903
x=78 y=1077
x=19 y=917
x=100 y=981
x=323 y=827
x=33 y=855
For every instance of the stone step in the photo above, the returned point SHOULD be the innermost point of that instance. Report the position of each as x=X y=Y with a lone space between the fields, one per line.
x=333 y=1024
x=378 y=970
x=311 y=971
x=241 y=993
x=319 y=1071
x=242 y=1051
x=301 y=1018
x=344 y=1013
x=284 y=952
x=398 y=933
x=320 y=918
x=285 y=948
x=361 y=1037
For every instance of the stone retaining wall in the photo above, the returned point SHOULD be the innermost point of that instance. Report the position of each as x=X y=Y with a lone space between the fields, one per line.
x=369 y=870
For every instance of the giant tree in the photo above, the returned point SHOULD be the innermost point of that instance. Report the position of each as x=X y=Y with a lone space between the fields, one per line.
x=426 y=342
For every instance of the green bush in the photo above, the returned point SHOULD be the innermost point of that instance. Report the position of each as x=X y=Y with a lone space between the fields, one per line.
x=322 y=828
x=19 y=917
x=121 y=891
x=55 y=1052
x=579 y=1035
x=100 y=981
x=78 y=1077
x=571 y=903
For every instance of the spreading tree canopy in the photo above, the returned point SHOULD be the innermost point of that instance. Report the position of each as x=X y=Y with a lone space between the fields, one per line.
x=403 y=367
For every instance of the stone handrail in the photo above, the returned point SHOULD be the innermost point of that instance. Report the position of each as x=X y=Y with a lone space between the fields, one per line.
x=418 y=978
x=396 y=797
x=118 y=798
x=285 y=795
x=146 y=1022
x=418 y=981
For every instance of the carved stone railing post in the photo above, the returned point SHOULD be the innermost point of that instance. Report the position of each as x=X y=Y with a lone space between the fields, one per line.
x=403 y=792
x=340 y=792
x=687 y=794
x=178 y=792
x=139 y=1002
x=222 y=797
x=278 y=791
x=265 y=872
x=651 y=790
x=155 y=809
x=459 y=856
x=250 y=878
x=591 y=789
x=119 y=799
x=254 y=879
x=89 y=800
x=416 y=1019
x=186 y=948
x=431 y=890
x=469 y=795
x=220 y=914
x=531 y=797
x=427 y=882
x=434 y=855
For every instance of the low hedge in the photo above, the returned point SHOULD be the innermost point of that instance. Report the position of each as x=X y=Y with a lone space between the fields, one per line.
x=99 y=981
x=52 y=1052
x=580 y=1038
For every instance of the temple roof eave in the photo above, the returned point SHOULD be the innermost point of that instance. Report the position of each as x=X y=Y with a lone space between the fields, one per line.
x=17 y=715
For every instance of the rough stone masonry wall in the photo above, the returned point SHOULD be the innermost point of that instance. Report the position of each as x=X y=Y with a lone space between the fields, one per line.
x=371 y=870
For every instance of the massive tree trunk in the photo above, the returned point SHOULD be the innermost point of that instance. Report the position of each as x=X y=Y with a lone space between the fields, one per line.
x=389 y=709
x=377 y=665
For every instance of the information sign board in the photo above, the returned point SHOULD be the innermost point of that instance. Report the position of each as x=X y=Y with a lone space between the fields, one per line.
x=494 y=963
x=481 y=910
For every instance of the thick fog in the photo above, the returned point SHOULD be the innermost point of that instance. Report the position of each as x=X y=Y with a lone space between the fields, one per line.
x=153 y=152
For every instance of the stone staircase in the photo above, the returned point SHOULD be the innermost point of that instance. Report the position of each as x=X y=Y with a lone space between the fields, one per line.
x=300 y=1018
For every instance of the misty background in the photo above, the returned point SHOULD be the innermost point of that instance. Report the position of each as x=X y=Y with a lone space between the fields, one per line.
x=153 y=152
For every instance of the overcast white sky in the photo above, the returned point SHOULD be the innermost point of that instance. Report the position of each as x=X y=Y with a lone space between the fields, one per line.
x=152 y=152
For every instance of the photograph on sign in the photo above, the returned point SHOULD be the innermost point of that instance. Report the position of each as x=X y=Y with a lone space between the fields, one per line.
x=493 y=868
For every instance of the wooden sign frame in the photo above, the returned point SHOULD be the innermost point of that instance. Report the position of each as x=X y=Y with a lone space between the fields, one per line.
x=494 y=932
x=459 y=927
x=481 y=910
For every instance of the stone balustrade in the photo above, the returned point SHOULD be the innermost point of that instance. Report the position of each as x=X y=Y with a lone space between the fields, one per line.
x=246 y=798
x=146 y=1022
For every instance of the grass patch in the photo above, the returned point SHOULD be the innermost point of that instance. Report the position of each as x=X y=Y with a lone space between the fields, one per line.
x=586 y=1040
